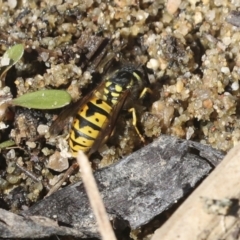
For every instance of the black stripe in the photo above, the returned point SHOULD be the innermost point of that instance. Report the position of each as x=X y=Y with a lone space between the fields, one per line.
x=74 y=143
x=83 y=122
x=92 y=109
x=123 y=74
x=110 y=97
x=78 y=133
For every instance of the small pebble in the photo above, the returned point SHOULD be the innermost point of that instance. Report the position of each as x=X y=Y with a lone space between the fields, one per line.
x=235 y=85
x=42 y=129
x=153 y=64
x=173 y=5
x=57 y=163
x=31 y=144
x=12 y=3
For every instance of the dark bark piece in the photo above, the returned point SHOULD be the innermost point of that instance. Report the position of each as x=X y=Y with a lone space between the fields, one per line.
x=213 y=156
x=234 y=18
x=96 y=48
x=15 y=226
x=135 y=189
x=91 y=43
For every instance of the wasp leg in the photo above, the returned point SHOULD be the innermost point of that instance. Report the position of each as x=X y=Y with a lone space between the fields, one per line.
x=134 y=122
x=67 y=137
x=144 y=91
x=133 y=111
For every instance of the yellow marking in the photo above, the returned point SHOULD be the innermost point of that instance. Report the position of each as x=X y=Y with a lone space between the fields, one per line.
x=98 y=94
x=136 y=76
x=77 y=147
x=106 y=91
x=113 y=94
x=97 y=118
x=103 y=105
x=104 y=97
x=144 y=91
x=130 y=84
x=134 y=122
x=89 y=131
x=108 y=83
x=113 y=101
x=118 y=88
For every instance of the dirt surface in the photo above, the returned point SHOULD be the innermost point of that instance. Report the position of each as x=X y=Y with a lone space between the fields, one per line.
x=192 y=58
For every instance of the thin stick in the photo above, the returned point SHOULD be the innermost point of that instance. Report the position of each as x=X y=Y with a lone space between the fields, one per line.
x=33 y=176
x=63 y=179
x=95 y=199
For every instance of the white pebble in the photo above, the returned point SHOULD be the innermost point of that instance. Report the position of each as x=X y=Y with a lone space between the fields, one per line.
x=235 y=86
x=11 y=154
x=198 y=17
x=12 y=3
x=44 y=56
x=5 y=61
x=179 y=86
x=190 y=132
x=57 y=163
x=31 y=144
x=46 y=151
x=227 y=40
x=142 y=16
x=225 y=70
x=172 y=6
x=153 y=64
x=87 y=75
x=42 y=129
x=3 y=125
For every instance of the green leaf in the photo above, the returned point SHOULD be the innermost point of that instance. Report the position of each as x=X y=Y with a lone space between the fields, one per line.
x=11 y=57
x=8 y=143
x=43 y=99
x=14 y=53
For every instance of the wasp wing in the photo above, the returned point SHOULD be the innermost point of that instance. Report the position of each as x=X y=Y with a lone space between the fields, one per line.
x=109 y=124
x=71 y=110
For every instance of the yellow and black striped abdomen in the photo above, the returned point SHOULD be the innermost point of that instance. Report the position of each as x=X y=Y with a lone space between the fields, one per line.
x=88 y=124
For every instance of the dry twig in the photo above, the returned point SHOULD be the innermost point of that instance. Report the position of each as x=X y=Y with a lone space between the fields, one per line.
x=95 y=199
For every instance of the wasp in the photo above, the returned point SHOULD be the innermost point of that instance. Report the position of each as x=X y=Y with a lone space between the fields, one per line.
x=96 y=113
